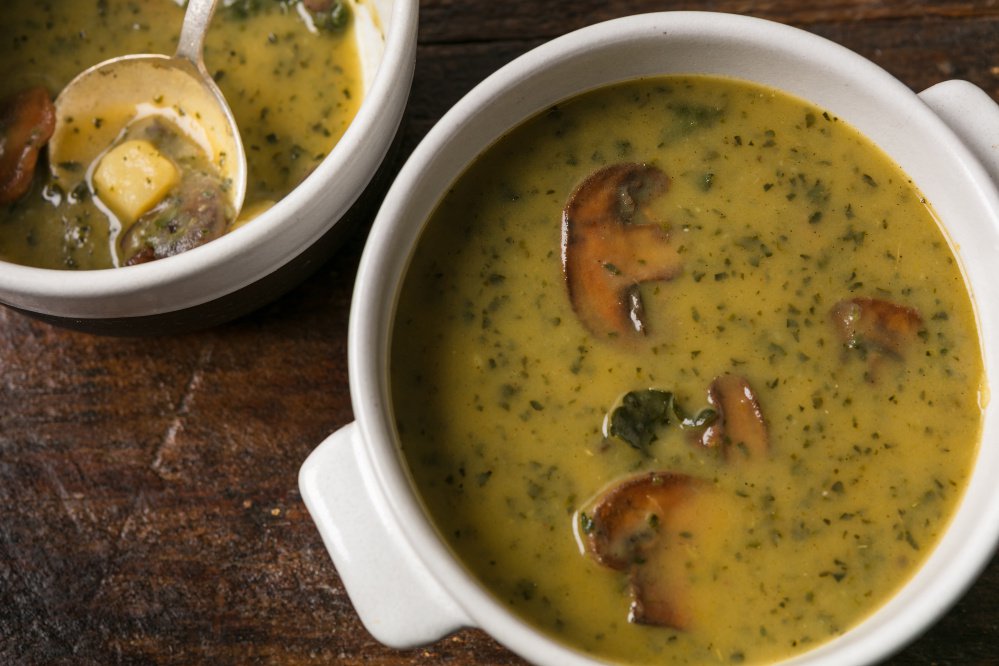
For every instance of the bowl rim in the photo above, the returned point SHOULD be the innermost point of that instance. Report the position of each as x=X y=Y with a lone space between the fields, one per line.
x=392 y=240
x=272 y=235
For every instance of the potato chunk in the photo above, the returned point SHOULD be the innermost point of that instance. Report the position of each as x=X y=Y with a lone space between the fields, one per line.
x=133 y=177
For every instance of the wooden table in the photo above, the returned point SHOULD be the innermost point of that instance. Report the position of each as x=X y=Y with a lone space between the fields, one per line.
x=149 y=492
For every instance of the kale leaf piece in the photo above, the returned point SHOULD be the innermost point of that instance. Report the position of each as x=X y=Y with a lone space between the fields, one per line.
x=641 y=414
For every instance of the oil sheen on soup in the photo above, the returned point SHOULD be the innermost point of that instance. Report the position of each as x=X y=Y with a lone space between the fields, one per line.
x=289 y=70
x=685 y=371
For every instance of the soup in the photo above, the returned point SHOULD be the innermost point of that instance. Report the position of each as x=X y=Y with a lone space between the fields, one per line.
x=685 y=371
x=289 y=71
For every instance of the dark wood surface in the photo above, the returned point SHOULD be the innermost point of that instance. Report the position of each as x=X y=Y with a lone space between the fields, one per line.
x=150 y=511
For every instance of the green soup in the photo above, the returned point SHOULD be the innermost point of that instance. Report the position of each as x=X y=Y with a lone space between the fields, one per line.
x=778 y=214
x=293 y=83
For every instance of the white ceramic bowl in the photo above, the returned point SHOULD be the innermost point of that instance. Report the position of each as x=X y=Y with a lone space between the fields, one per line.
x=256 y=262
x=403 y=580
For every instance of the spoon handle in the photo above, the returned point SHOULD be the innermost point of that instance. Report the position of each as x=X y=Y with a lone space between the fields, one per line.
x=192 y=33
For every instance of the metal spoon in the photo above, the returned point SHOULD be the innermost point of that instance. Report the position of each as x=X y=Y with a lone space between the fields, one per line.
x=98 y=105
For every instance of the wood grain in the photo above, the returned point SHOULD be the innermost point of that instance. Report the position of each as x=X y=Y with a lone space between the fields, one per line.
x=151 y=511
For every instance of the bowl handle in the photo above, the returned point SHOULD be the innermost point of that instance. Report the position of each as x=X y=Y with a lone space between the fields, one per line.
x=974 y=117
x=395 y=596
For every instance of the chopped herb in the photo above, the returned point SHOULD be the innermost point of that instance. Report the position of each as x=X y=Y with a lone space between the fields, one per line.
x=706 y=181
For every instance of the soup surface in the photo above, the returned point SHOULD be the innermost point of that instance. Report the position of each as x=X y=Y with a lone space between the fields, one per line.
x=803 y=303
x=291 y=77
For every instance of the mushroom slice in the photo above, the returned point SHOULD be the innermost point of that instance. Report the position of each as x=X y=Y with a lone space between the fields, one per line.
x=192 y=215
x=607 y=249
x=875 y=324
x=26 y=123
x=740 y=427
x=633 y=527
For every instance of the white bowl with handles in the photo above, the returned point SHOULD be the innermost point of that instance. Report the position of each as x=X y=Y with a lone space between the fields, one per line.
x=256 y=262
x=403 y=580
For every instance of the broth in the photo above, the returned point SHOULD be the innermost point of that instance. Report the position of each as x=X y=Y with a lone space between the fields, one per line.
x=785 y=223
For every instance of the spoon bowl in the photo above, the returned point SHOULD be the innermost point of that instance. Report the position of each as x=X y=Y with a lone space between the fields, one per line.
x=98 y=106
